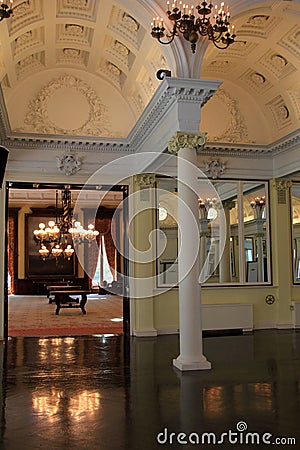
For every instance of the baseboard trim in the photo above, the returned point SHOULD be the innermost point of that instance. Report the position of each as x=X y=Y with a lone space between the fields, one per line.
x=145 y=333
x=167 y=330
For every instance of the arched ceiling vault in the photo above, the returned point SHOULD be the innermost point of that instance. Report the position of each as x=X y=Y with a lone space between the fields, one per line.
x=260 y=74
x=88 y=68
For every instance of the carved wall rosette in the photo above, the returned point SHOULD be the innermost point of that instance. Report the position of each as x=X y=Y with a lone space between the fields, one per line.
x=69 y=164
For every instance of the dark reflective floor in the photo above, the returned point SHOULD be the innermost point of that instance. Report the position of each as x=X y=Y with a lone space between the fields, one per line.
x=110 y=393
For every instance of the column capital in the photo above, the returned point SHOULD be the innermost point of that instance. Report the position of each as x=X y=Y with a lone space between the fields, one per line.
x=145 y=180
x=186 y=140
x=281 y=184
x=228 y=204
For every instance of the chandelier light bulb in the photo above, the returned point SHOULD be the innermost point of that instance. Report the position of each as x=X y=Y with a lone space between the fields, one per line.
x=54 y=239
x=44 y=252
x=184 y=22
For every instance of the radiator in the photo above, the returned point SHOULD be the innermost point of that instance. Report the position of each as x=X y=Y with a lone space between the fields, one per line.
x=295 y=307
x=228 y=317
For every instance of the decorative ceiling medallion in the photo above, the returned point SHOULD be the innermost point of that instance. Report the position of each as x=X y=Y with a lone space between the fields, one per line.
x=258 y=78
x=130 y=22
x=260 y=25
x=113 y=69
x=278 y=61
x=258 y=20
x=96 y=122
x=25 y=14
x=30 y=64
x=121 y=48
x=126 y=26
x=72 y=8
x=69 y=164
x=77 y=3
x=280 y=112
x=221 y=64
x=277 y=64
x=73 y=29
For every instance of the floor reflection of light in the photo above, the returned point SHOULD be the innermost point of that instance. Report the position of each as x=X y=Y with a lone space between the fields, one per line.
x=105 y=335
x=263 y=396
x=47 y=405
x=117 y=319
x=84 y=403
x=213 y=401
x=52 y=403
x=55 y=349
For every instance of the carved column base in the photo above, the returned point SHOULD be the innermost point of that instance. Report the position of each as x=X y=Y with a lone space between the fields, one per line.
x=185 y=364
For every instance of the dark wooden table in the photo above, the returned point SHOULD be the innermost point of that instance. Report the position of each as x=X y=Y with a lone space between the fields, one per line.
x=58 y=287
x=66 y=299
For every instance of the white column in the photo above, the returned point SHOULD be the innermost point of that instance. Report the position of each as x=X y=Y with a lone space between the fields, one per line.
x=260 y=258
x=190 y=328
x=225 y=272
x=3 y=273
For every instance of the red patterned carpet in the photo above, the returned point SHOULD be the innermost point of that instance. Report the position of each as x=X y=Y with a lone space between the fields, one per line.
x=34 y=316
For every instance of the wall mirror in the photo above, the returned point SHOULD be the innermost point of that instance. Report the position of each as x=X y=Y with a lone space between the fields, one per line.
x=246 y=254
x=295 y=219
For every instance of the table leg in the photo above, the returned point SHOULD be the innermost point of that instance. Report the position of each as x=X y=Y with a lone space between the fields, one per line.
x=57 y=307
x=83 y=302
x=58 y=298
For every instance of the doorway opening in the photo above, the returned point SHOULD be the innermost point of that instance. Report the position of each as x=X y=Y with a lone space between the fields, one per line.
x=100 y=270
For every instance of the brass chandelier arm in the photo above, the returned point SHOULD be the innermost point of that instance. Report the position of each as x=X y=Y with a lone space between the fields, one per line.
x=5 y=11
x=159 y=33
x=217 y=29
x=56 y=238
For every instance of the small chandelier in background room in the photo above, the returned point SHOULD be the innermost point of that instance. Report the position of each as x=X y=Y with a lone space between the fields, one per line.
x=207 y=208
x=258 y=205
x=6 y=10
x=58 y=237
x=216 y=28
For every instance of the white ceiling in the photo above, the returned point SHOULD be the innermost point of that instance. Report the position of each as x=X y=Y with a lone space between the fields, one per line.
x=49 y=197
x=88 y=68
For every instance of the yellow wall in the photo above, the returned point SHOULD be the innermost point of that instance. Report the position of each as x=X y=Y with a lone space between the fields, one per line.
x=276 y=315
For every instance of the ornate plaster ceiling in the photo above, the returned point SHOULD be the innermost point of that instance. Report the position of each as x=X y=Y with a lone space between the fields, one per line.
x=260 y=95
x=77 y=67
x=88 y=68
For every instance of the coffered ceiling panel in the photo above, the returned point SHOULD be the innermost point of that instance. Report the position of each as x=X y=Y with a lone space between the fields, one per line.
x=104 y=53
x=262 y=71
x=100 y=44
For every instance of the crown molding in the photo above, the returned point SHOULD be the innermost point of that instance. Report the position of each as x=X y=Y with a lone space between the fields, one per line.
x=252 y=151
x=155 y=120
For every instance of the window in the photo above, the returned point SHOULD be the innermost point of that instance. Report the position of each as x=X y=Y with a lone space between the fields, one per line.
x=103 y=274
x=295 y=212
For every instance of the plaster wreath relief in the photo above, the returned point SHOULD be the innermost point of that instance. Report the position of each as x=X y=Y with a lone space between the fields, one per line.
x=69 y=164
x=236 y=129
x=96 y=124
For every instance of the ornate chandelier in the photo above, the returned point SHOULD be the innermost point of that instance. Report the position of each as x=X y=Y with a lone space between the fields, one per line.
x=217 y=29
x=5 y=10
x=207 y=208
x=57 y=238
x=258 y=205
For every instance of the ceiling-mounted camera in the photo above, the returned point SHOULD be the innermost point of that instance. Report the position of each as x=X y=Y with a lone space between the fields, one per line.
x=163 y=73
